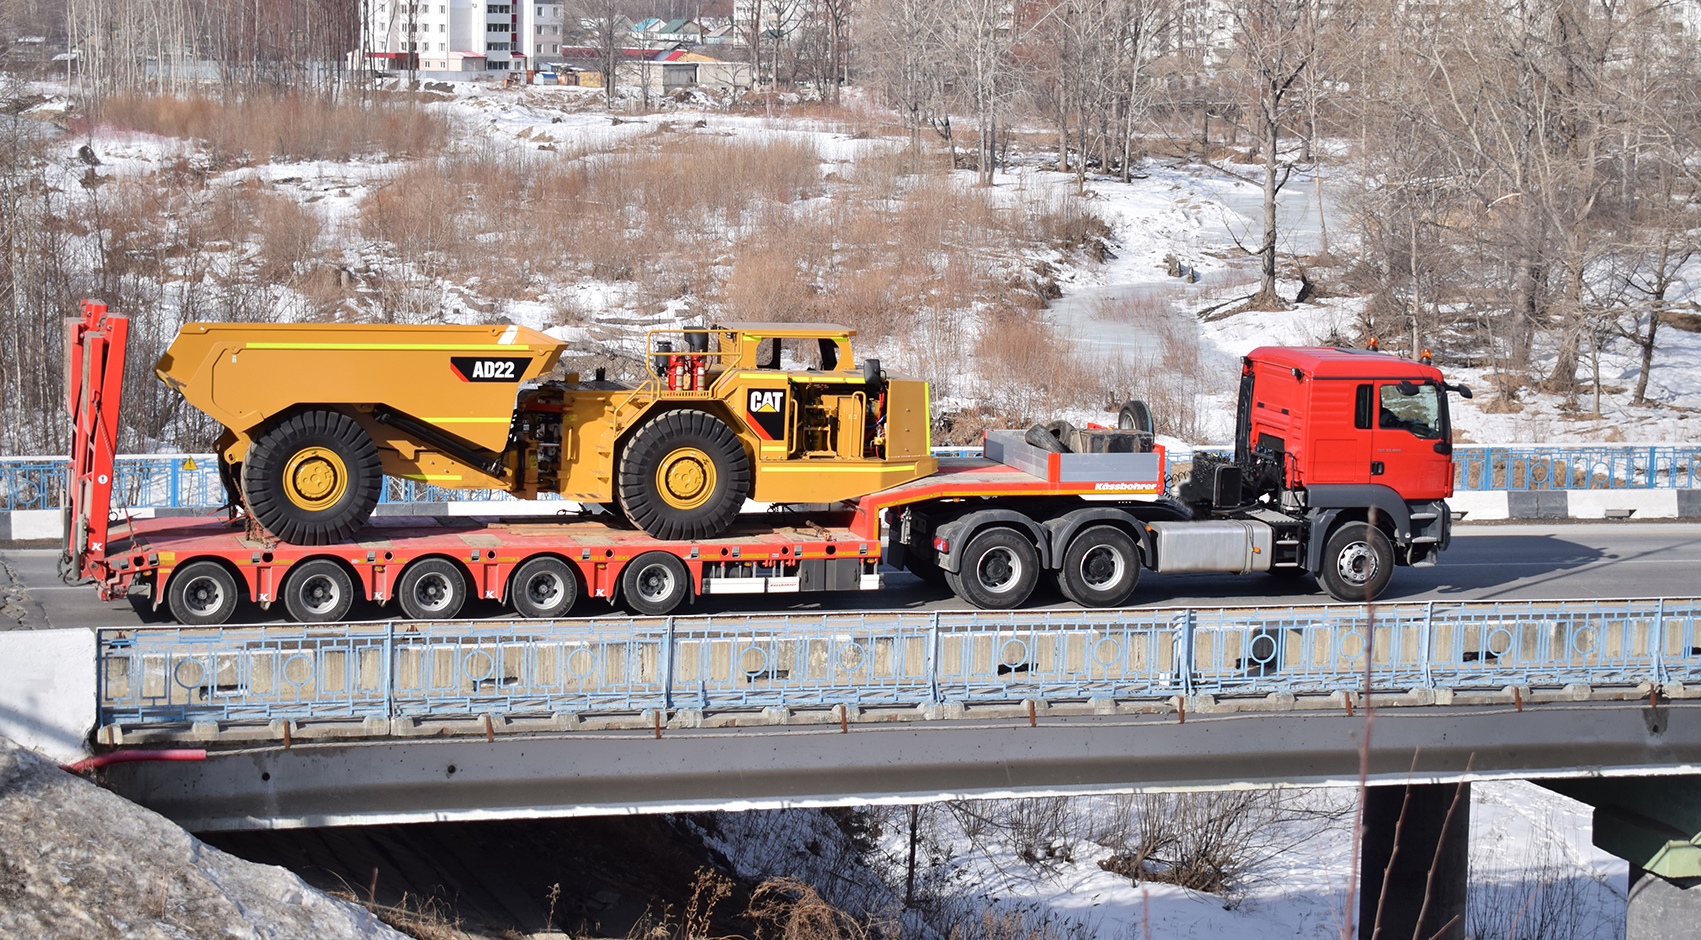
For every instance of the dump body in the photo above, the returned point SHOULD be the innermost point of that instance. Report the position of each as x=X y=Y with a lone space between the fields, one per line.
x=461 y=381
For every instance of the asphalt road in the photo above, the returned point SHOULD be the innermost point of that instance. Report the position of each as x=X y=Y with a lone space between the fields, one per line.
x=1550 y=561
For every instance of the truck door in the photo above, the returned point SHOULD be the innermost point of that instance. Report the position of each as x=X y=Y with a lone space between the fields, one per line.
x=1411 y=421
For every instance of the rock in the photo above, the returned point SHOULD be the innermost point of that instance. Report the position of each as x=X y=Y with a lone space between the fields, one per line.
x=79 y=861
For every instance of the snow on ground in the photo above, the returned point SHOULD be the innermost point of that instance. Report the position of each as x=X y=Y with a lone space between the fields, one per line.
x=1530 y=860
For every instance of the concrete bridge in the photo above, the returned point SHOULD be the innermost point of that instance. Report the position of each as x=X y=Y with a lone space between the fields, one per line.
x=352 y=724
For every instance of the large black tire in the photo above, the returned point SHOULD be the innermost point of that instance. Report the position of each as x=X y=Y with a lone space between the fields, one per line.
x=1101 y=567
x=1135 y=416
x=318 y=591
x=684 y=476
x=1358 y=561
x=1051 y=436
x=202 y=594
x=432 y=589
x=543 y=588
x=999 y=568
x=312 y=478
x=655 y=583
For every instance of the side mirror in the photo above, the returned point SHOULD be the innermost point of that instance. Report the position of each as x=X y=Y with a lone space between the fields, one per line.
x=1463 y=390
x=1406 y=388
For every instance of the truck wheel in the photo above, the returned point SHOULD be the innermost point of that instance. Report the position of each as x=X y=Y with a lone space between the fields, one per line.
x=543 y=588
x=1101 y=566
x=999 y=569
x=1358 y=562
x=654 y=583
x=1051 y=436
x=202 y=594
x=432 y=589
x=683 y=475
x=313 y=478
x=318 y=591
x=1135 y=416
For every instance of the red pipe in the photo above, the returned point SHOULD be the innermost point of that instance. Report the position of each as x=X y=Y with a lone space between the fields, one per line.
x=120 y=757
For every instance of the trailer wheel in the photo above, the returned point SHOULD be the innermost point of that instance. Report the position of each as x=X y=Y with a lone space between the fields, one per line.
x=1101 y=567
x=654 y=583
x=683 y=475
x=313 y=478
x=1000 y=567
x=318 y=591
x=202 y=594
x=432 y=589
x=543 y=588
x=1135 y=416
x=1358 y=562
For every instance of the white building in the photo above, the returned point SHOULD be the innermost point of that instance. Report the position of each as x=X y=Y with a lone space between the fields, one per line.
x=461 y=35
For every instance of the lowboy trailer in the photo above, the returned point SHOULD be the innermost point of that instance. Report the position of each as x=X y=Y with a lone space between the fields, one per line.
x=1297 y=497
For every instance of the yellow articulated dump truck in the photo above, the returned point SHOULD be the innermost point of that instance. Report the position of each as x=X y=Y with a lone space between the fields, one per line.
x=315 y=416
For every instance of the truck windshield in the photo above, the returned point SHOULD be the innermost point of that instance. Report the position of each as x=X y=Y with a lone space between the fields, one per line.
x=1419 y=412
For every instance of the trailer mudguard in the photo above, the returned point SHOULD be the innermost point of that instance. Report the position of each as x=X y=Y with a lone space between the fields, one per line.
x=1064 y=527
x=957 y=533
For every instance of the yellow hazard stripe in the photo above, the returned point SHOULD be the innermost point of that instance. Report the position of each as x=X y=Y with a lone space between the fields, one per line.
x=428 y=477
x=406 y=347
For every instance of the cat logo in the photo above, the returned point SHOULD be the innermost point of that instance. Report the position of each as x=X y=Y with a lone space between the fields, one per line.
x=770 y=401
x=767 y=411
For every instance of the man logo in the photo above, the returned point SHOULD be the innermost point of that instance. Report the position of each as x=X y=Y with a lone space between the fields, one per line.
x=770 y=402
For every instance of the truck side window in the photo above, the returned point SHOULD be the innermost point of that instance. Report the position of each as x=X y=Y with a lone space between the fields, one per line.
x=1419 y=412
x=1361 y=407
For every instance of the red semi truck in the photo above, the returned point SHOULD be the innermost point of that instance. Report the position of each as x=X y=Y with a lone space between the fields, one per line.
x=1341 y=468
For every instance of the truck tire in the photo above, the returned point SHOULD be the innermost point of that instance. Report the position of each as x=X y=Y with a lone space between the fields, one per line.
x=1358 y=562
x=1135 y=416
x=313 y=478
x=683 y=475
x=1051 y=436
x=655 y=583
x=1101 y=567
x=432 y=589
x=202 y=594
x=1000 y=567
x=318 y=591
x=543 y=588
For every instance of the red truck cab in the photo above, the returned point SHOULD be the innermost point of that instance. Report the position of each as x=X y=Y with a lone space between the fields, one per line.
x=1349 y=417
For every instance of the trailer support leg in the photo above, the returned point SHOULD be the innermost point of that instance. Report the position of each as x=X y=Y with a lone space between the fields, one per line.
x=1426 y=868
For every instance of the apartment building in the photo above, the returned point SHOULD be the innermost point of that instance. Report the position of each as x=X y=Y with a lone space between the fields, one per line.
x=462 y=35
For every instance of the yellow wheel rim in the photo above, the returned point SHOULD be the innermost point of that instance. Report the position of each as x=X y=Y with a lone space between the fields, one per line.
x=686 y=478
x=315 y=478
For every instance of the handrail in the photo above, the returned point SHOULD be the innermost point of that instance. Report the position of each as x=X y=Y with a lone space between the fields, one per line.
x=622 y=665
x=162 y=480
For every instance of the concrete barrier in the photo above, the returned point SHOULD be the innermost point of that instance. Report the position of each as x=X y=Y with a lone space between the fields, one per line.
x=48 y=692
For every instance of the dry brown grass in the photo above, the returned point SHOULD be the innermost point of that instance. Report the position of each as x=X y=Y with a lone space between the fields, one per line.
x=281 y=127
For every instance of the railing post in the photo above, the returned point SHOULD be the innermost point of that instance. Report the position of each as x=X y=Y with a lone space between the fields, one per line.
x=1184 y=660
x=667 y=667
x=390 y=670
x=173 y=487
x=1426 y=642
x=1657 y=642
x=933 y=658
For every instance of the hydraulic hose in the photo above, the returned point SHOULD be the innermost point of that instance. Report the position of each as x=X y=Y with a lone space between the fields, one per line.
x=124 y=757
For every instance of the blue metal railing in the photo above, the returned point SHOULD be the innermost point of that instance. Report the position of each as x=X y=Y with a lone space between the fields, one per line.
x=187 y=480
x=628 y=665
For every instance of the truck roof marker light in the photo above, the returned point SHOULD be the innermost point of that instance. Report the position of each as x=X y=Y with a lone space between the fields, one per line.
x=1372 y=345
x=1425 y=357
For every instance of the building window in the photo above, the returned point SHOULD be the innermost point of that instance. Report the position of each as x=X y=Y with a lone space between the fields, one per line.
x=441 y=47
x=442 y=28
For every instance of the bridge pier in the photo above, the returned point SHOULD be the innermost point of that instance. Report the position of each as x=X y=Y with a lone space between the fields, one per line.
x=1654 y=823
x=1433 y=836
